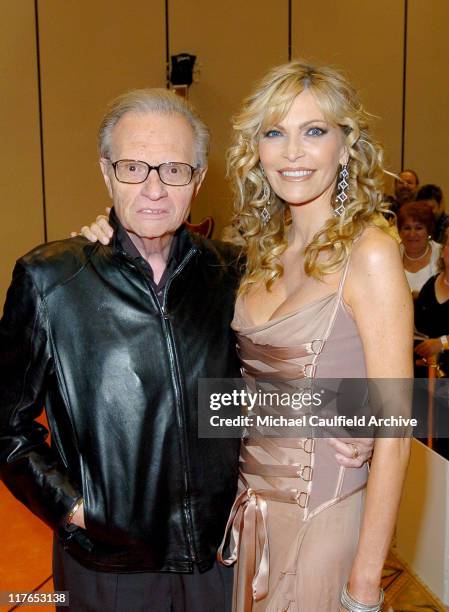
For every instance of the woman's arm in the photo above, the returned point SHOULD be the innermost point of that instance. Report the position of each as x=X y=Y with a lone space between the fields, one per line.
x=379 y=296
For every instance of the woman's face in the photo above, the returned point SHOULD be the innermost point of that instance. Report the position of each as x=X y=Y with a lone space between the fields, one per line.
x=301 y=154
x=414 y=236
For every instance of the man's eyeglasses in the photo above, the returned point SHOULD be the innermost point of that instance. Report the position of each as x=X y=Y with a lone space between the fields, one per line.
x=134 y=171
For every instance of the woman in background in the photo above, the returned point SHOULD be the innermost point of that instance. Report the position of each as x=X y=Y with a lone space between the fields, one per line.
x=420 y=253
x=432 y=320
x=432 y=313
x=323 y=295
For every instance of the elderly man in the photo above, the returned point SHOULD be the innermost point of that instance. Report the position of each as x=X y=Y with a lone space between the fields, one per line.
x=112 y=339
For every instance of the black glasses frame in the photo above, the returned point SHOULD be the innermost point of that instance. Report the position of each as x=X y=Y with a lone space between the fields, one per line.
x=150 y=168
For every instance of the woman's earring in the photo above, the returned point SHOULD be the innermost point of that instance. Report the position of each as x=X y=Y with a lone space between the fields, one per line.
x=341 y=191
x=265 y=215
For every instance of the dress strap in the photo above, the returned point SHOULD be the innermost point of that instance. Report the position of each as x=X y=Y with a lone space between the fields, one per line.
x=333 y=316
x=341 y=284
x=339 y=296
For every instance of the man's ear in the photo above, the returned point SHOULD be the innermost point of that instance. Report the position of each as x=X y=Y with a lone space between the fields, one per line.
x=199 y=178
x=105 y=168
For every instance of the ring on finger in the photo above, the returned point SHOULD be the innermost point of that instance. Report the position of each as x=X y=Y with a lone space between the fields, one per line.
x=355 y=451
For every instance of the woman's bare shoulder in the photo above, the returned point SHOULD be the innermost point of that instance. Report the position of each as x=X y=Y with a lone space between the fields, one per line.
x=375 y=249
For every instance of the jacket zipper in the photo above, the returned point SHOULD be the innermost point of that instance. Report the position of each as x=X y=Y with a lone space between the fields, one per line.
x=176 y=378
x=180 y=404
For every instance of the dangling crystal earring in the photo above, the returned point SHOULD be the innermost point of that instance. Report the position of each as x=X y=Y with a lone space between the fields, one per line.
x=341 y=193
x=265 y=215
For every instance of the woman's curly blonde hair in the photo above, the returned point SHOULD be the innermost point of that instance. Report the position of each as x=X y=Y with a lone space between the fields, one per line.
x=267 y=106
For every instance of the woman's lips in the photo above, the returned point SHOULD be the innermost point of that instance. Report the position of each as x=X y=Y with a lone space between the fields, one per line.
x=296 y=174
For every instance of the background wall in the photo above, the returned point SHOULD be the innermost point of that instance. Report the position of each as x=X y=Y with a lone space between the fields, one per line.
x=89 y=53
x=426 y=106
x=62 y=61
x=22 y=210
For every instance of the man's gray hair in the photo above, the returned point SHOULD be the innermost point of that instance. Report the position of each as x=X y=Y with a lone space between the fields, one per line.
x=156 y=100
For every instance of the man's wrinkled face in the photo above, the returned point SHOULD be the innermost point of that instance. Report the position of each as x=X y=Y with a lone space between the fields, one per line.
x=152 y=209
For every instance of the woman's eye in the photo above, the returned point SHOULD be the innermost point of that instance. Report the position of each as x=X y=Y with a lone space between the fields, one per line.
x=315 y=131
x=272 y=133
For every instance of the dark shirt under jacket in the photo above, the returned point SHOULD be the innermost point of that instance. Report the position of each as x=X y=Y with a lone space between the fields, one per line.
x=128 y=246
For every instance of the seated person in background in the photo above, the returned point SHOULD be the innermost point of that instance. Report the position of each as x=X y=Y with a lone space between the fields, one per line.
x=432 y=313
x=420 y=253
x=434 y=195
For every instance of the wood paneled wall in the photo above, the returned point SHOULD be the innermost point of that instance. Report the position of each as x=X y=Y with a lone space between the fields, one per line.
x=22 y=213
x=427 y=96
x=88 y=52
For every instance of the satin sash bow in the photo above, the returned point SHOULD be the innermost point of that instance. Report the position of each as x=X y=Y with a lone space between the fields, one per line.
x=248 y=524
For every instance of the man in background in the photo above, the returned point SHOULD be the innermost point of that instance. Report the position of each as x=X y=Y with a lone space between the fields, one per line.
x=405 y=187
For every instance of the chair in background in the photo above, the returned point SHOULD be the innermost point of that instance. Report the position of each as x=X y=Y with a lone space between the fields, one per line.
x=204 y=228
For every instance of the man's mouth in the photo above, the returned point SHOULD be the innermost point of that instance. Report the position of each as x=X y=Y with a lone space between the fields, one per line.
x=152 y=211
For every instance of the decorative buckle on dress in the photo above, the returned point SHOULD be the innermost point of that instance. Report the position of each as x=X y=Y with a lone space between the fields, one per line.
x=307 y=445
x=317 y=350
x=305 y=472
x=309 y=370
x=302 y=499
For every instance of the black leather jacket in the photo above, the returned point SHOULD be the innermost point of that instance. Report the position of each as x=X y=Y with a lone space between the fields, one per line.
x=84 y=335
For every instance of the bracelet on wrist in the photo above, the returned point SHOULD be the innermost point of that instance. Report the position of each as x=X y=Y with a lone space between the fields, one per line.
x=444 y=342
x=352 y=605
x=73 y=511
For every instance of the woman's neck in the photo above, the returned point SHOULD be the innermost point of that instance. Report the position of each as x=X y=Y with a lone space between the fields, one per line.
x=416 y=255
x=415 y=263
x=307 y=220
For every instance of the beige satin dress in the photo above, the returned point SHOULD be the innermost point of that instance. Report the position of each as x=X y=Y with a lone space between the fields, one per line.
x=295 y=523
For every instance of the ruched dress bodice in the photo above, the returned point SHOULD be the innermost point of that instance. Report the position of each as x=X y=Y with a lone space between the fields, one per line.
x=317 y=340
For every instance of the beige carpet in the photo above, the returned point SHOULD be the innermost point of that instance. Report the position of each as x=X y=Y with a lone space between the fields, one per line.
x=404 y=592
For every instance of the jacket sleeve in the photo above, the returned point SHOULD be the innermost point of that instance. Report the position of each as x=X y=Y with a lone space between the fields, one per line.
x=29 y=467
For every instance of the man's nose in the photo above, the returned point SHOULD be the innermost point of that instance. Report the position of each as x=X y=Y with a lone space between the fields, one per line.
x=153 y=187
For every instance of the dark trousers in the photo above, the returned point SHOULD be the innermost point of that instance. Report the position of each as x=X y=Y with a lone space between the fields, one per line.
x=92 y=591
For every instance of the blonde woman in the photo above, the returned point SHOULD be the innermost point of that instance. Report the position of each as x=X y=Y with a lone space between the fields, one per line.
x=324 y=292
